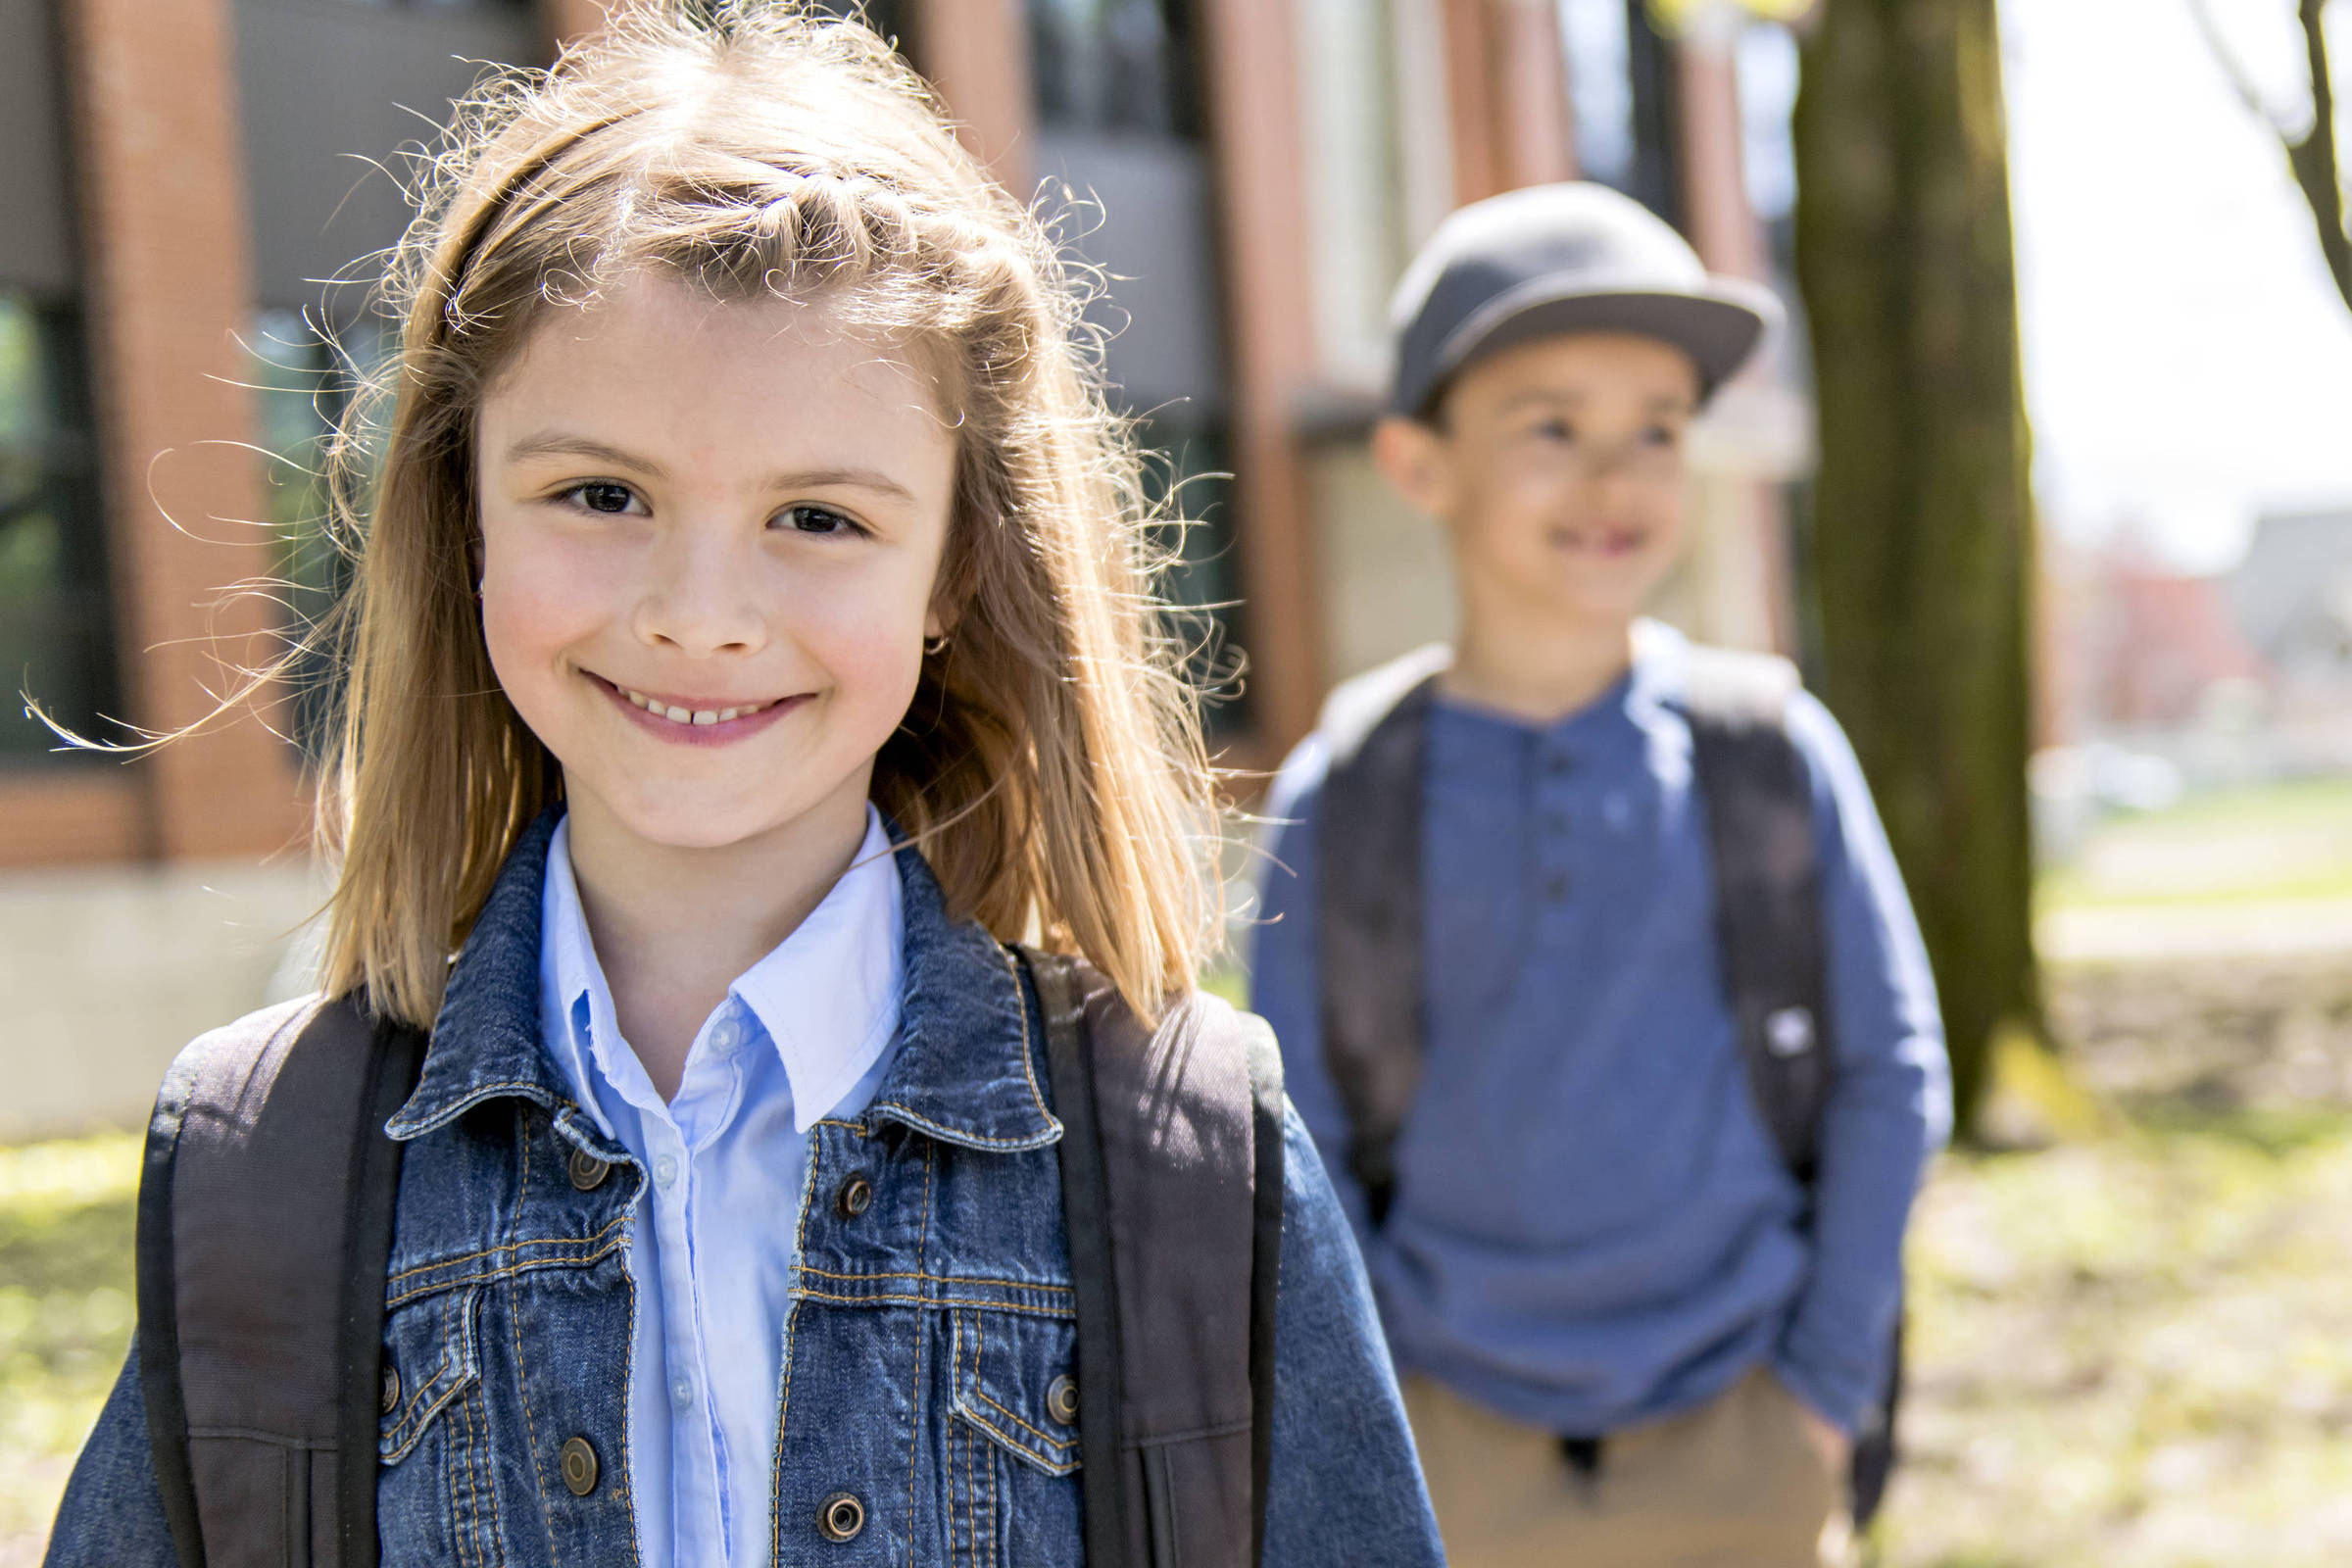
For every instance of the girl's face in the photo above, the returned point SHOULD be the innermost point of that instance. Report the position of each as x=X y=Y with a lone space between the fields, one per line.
x=711 y=534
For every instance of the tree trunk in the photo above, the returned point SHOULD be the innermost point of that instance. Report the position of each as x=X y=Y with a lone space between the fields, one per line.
x=1922 y=530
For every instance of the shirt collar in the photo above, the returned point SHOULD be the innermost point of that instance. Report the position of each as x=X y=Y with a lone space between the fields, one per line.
x=968 y=1060
x=828 y=993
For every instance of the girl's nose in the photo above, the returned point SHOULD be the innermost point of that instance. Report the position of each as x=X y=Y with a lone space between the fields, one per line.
x=701 y=596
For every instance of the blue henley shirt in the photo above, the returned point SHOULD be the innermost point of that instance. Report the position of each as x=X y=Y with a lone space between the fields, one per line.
x=1592 y=1227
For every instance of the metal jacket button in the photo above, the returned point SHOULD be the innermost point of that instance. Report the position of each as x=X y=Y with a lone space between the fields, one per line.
x=840 y=1517
x=1061 y=1399
x=389 y=1400
x=856 y=1197
x=579 y=1467
x=587 y=1171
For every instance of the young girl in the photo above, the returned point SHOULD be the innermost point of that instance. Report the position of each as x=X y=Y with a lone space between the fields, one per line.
x=749 y=641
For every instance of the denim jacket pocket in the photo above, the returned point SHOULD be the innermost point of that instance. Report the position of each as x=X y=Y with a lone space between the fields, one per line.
x=1016 y=1382
x=430 y=1359
x=436 y=1491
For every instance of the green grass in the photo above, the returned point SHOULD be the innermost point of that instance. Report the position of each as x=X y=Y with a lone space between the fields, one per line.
x=66 y=1226
x=2278 y=842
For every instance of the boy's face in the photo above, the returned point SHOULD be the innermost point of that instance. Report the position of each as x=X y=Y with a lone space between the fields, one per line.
x=1557 y=468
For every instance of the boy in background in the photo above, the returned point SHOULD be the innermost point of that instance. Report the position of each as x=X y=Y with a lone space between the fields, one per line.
x=1593 y=974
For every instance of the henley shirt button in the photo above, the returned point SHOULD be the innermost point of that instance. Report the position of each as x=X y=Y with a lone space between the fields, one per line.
x=587 y=1171
x=665 y=1171
x=856 y=1197
x=1556 y=889
x=579 y=1467
x=1061 y=1399
x=682 y=1391
x=840 y=1517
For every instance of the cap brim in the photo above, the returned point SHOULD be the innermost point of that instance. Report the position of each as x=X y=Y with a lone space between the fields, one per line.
x=1719 y=326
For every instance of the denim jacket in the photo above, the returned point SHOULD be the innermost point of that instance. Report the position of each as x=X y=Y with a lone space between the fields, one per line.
x=926 y=1325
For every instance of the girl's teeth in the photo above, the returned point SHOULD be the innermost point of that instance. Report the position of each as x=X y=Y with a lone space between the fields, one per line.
x=697 y=716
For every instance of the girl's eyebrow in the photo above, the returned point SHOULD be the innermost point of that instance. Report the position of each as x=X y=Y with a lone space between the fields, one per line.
x=557 y=445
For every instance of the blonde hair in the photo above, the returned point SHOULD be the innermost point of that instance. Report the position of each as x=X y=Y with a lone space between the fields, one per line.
x=1051 y=765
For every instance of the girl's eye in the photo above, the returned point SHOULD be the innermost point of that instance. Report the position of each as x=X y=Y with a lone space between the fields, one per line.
x=1659 y=435
x=808 y=518
x=602 y=495
x=1556 y=431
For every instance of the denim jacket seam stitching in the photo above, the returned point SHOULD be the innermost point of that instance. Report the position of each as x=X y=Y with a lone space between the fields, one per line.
x=917 y=1121
x=914 y=1424
x=1020 y=993
x=589 y=1240
x=474 y=1096
x=1059 y=1315
x=938 y=1278
x=523 y=1381
x=487 y=1276
x=792 y=1315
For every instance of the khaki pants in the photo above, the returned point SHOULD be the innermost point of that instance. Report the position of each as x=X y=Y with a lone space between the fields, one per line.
x=1732 y=1484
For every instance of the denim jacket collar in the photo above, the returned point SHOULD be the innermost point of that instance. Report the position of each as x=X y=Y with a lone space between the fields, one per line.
x=967 y=1068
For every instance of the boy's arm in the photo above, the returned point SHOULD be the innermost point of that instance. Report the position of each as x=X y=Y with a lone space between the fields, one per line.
x=1346 y=1485
x=1890 y=1104
x=1285 y=971
x=111 y=1515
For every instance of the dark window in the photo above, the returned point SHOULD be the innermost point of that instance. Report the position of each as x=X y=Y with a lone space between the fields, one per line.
x=55 y=628
x=1116 y=65
x=1622 y=96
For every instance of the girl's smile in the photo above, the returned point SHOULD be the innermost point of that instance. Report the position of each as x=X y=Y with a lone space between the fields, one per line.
x=696 y=721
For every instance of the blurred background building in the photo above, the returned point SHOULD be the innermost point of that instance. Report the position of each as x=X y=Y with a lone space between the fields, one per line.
x=194 y=189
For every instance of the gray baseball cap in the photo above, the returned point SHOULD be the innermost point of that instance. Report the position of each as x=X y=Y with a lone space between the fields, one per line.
x=1567 y=258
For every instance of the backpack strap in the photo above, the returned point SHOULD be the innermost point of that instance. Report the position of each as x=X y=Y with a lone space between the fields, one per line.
x=265 y=1227
x=1759 y=806
x=1172 y=1195
x=1369 y=902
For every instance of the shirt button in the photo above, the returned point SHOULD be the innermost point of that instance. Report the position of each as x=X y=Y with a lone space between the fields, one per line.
x=728 y=1034
x=1556 y=765
x=579 y=1467
x=681 y=1391
x=1555 y=887
x=665 y=1171
x=840 y=1517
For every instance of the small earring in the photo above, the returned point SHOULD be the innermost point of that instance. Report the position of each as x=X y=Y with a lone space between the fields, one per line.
x=933 y=647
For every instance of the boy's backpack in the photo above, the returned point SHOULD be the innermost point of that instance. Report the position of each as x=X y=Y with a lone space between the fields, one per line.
x=1768 y=920
x=265 y=1231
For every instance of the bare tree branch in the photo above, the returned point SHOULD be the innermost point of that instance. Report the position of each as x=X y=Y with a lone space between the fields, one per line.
x=2309 y=158
x=2313 y=159
x=2241 y=81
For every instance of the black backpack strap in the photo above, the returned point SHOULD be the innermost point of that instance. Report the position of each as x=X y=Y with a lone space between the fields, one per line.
x=1268 y=1185
x=1172 y=1195
x=266 y=1210
x=1071 y=1073
x=1369 y=901
x=1759 y=804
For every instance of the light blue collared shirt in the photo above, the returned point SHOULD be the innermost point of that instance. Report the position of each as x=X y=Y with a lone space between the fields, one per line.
x=806 y=1033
